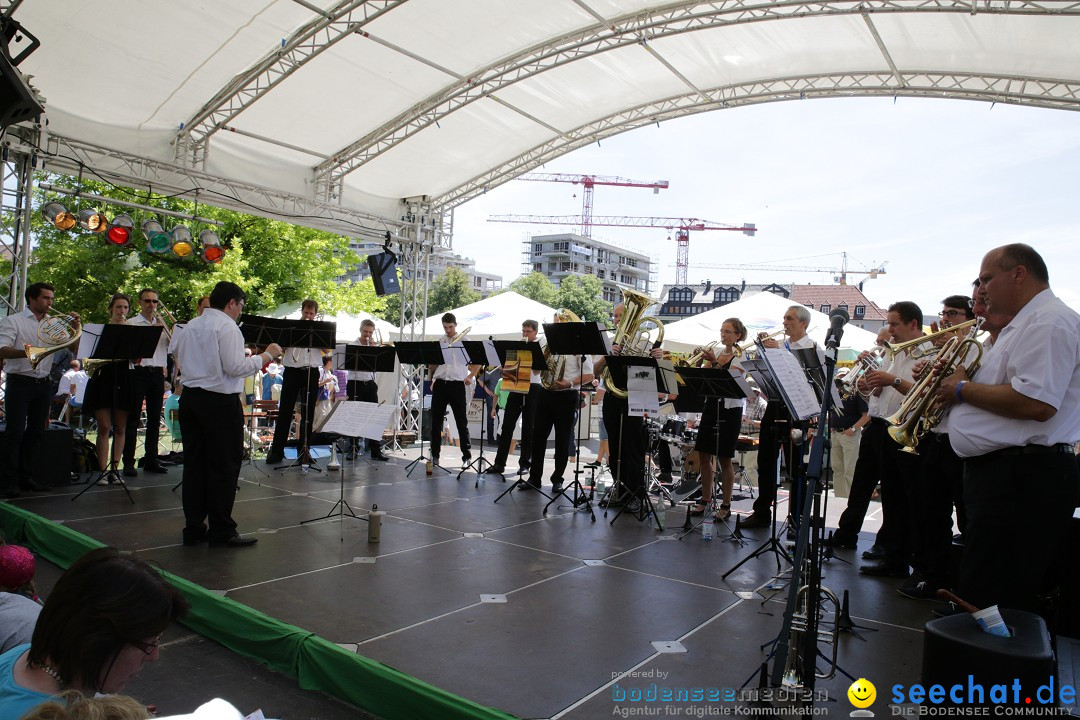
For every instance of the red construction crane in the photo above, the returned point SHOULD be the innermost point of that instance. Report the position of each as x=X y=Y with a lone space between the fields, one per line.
x=681 y=226
x=588 y=182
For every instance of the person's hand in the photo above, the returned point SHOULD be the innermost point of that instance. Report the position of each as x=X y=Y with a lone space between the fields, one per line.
x=275 y=350
x=656 y=352
x=850 y=432
x=75 y=320
x=878 y=379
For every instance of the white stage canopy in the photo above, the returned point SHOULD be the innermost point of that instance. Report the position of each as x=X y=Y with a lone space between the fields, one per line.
x=499 y=316
x=330 y=112
x=762 y=312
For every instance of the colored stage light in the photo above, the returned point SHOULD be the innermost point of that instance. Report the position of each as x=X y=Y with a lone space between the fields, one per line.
x=182 y=246
x=157 y=240
x=58 y=216
x=94 y=221
x=120 y=230
x=212 y=252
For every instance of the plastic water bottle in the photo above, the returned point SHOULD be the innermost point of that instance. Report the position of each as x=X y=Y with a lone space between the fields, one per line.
x=707 y=526
x=375 y=524
x=661 y=510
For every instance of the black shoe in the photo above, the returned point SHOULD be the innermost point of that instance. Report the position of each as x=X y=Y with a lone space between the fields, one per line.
x=755 y=520
x=593 y=464
x=633 y=505
x=611 y=501
x=130 y=471
x=528 y=486
x=884 y=569
x=32 y=485
x=191 y=539
x=273 y=458
x=379 y=456
x=466 y=458
x=496 y=470
x=921 y=590
x=876 y=552
x=839 y=541
x=155 y=468
x=947 y=610
x=556 y=487
x=234 y=541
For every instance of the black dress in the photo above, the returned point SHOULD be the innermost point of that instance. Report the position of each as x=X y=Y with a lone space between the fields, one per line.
x=719 y=441
x=112 y=386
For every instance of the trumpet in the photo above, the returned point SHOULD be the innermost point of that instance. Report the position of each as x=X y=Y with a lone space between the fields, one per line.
x=700 y=353
x=827 y=625
x=921 y=410
x=740 y=350
x=56 y=332
x=912 y=346
x=166 y=318
x=852 y=385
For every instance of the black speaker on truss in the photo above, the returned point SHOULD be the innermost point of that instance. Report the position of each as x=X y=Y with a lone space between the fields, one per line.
x=383 y=268
x=17 y=101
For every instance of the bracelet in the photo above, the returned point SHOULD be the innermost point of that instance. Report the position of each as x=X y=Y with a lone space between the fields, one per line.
x=959 y=387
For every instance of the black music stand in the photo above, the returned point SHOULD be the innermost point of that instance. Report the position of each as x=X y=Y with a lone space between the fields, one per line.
x=368 y=358
x=422 y=353
x=121 y=343
x=626 y=365
x=502 y=347
x=581 y=339
x=767 y=379
x=291 y=334
x=477 y=356
x=707 y=385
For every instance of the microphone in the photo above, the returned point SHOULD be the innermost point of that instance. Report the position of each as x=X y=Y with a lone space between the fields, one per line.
x=838 y=318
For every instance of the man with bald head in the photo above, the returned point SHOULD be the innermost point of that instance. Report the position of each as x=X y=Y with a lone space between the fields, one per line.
x=1015 y=425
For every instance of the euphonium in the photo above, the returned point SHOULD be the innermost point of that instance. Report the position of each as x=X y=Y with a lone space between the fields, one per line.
x=630 y=336
x=920 y=410
x=56 y=332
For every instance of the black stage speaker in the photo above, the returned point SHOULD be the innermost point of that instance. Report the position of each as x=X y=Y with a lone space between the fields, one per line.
x=17 y=100
x=383 y=268
x=52 y=457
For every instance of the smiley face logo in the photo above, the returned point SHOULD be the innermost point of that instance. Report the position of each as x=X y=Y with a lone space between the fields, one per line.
x=862 y=693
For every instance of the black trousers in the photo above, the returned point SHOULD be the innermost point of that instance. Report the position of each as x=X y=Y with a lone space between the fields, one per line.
x=448 y=393
x=366 y=391
x=627 y=446
x=212 y=425
x=26 y=407
x=555 y=409
x=296 y=381
x=868 y=471
x=775 y=426
x=931 y=499
x=523 y=406
x=1004 y=564
x=901 y=478
x=149 y=383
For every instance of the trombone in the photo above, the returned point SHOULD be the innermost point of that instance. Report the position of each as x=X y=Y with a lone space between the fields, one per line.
x=741 y=350
x=894 y=349
x=377 y=339
x=166 y=318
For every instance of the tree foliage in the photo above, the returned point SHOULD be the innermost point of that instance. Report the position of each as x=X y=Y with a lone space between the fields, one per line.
x=450 y=290
x=584 y=294
x=536 y=286
x=273 y=262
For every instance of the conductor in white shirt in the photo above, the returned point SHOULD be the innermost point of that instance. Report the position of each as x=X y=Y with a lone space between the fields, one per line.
x=210 y=354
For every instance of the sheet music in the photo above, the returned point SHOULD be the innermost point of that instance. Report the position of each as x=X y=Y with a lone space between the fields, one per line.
x=802 y=402
x=454 y=353
x=356 y=418
x=741 y=380
x=490 y=354
x=92 y=330
x=641 y=386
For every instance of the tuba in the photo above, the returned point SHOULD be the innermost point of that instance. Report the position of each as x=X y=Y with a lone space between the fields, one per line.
x=921 y=410
x=556 y=368
x=631 y=336
x=56 y=332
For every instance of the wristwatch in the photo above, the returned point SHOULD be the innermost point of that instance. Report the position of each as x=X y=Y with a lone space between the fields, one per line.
x=896 y=382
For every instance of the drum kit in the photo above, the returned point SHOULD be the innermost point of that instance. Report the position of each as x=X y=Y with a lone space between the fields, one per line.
x=681 y=441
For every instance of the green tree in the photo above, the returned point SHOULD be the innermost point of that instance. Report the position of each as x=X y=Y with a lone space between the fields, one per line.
x=584 y=294
x=450 y=290
x=536 y=286
x=273 y=261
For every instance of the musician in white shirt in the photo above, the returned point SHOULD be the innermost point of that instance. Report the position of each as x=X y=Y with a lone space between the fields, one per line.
x=448 y=383
x=149 y=382
x=302 y=369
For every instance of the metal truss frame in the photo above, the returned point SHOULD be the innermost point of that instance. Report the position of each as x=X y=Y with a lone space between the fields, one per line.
x=307 y=43
x=641 y=28
x=1015 y=90
x=17 y=167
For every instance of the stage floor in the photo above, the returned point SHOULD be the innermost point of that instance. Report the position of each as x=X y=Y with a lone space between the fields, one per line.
x=574 y=630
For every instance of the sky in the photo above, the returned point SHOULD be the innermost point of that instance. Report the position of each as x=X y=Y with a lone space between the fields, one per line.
x=923 y=186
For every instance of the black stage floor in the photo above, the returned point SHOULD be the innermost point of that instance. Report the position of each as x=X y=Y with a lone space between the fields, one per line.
x=579 y=612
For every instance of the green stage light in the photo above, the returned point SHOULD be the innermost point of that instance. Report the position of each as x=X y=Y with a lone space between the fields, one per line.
x=157 y=240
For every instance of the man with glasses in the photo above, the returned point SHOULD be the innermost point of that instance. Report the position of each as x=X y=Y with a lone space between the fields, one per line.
x=210 y=353
x=1015 y=426
x=149 y=382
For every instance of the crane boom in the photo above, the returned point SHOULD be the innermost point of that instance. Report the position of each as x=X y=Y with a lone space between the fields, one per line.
x=588 y=183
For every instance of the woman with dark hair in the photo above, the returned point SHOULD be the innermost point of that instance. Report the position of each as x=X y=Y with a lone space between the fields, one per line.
x=101 y=622
x=718 y=433
x=110 y=396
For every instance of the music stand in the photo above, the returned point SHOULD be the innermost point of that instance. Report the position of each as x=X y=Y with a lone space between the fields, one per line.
x=477 y=350
x=422 y=353
x=293 y=334
x=502 y=348
x=710 y=385
x=122 y=343
x=581 y=339
x=780 y=375
x=371 y=359
x=625 y=365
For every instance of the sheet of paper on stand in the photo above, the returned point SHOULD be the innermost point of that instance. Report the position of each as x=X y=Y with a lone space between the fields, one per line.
x=355 y=418
x=641 y=386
